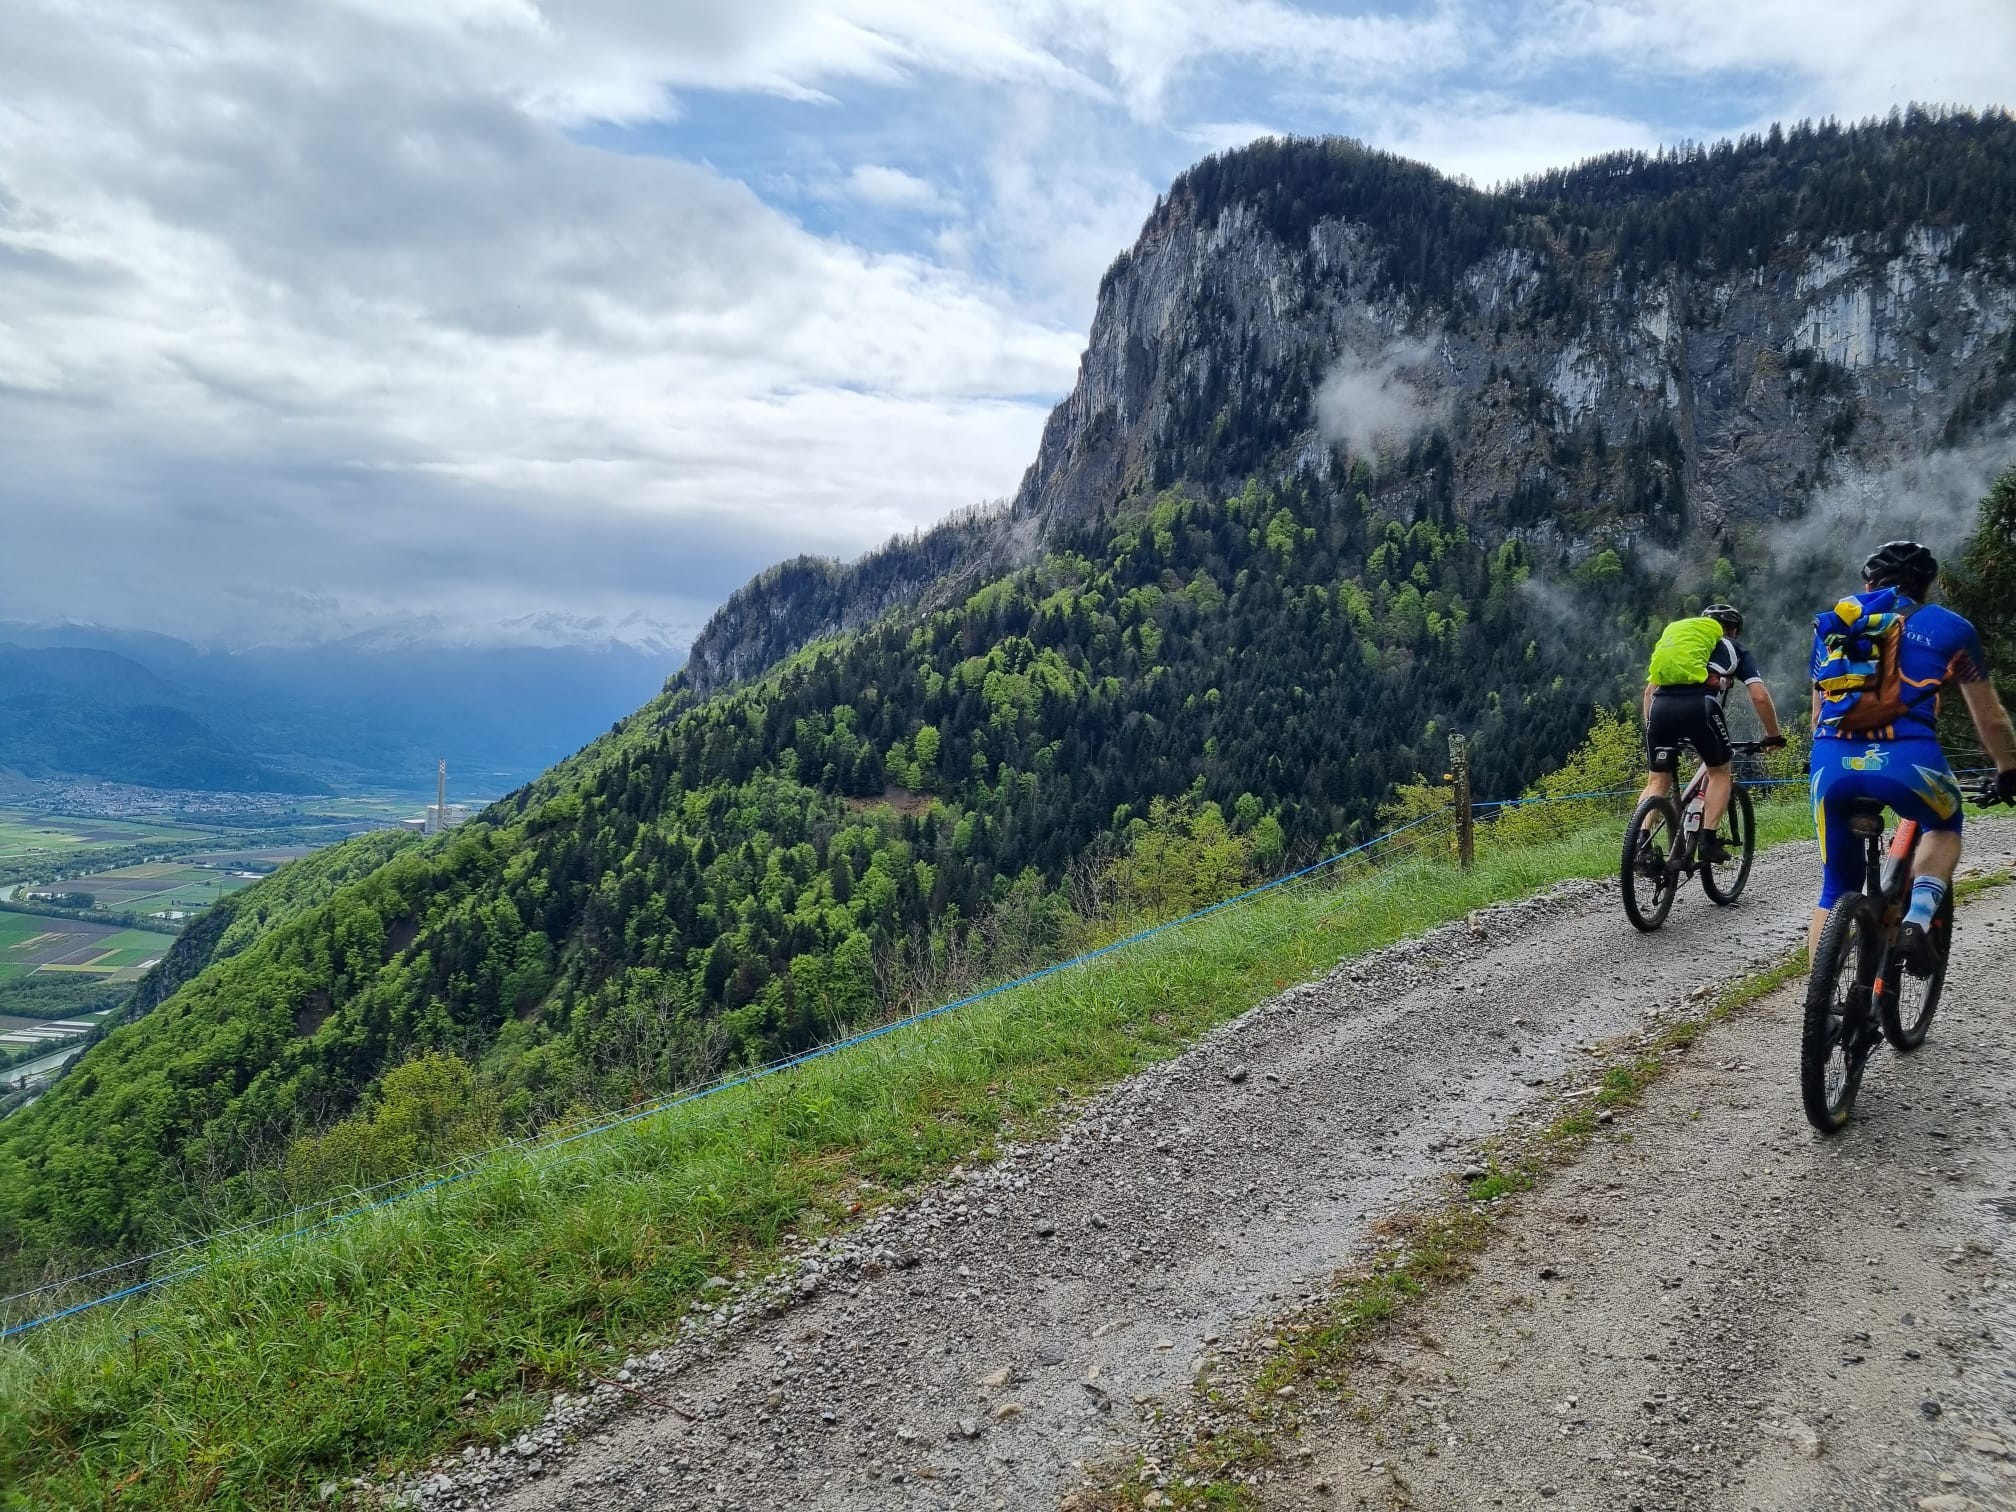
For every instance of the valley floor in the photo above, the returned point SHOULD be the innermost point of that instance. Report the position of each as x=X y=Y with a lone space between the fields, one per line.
x=1710 y=1272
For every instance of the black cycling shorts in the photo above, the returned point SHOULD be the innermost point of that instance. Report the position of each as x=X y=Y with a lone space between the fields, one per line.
x=1693 y=717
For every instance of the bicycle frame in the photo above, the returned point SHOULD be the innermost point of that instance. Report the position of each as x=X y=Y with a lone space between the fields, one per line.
x=1697 y=787
x=1885 y=884
x=1695 y=792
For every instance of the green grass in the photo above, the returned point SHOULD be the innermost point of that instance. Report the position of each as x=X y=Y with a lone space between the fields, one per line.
x=311 y=1359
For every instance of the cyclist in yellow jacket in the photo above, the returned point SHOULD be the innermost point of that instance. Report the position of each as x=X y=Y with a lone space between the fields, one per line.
x=1696 y=662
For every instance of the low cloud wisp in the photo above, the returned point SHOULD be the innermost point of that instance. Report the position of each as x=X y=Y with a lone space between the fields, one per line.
x=1365 y=405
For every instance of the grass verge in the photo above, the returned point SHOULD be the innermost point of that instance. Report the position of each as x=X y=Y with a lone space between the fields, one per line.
x=1423 y=1251
x=287 y=1365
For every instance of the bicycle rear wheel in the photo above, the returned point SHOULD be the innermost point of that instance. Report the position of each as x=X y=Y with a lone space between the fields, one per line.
x=1908 y=1002
x=1724 y=883
x=1645 y=872
x=1833 y=1044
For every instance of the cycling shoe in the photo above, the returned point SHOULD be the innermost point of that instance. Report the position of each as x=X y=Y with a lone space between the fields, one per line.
x=1914 y=944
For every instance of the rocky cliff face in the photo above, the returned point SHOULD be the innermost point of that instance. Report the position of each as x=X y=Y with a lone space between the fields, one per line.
x=1569 y=388
x=1638 y=348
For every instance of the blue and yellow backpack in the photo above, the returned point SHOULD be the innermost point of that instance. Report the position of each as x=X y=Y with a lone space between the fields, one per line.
x=1855 y=666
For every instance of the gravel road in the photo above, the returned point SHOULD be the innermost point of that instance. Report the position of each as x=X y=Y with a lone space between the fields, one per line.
x=1725 y=1311
x=975 y=1346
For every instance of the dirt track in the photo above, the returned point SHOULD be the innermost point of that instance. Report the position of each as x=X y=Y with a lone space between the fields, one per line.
x=979 y=1345
x=1725 y=1311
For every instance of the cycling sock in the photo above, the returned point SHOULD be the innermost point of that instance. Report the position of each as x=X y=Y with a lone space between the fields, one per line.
x=1927 y=893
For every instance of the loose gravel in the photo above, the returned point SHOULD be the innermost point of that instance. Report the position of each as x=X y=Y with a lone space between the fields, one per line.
x=1722 y=1310
x=980 y=1342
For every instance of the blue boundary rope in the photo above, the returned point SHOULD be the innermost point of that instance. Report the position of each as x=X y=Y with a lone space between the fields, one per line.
x=1749 y=782
x=667 y=1105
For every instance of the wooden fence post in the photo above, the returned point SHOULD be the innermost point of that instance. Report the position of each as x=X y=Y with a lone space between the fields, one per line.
x=1459 y=776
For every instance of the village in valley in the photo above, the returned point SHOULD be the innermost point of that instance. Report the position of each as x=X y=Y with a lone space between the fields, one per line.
x=98 y=878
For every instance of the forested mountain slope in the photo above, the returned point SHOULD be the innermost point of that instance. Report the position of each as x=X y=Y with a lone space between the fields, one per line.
x=1221 y=612
x=239 y=919
x=226 y=927
x=808 y=598
x=735 y=877
x=1666 y=346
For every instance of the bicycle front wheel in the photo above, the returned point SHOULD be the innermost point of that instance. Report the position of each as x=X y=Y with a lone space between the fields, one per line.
x=1646 y=873
x=1908 y=1002
x=1833 y=1044
x=1724 y=883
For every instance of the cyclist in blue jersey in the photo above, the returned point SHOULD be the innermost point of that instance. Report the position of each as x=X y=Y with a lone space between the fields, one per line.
x=1901 y=764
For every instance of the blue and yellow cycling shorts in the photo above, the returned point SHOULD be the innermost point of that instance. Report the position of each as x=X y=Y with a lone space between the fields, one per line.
x=1910 y=777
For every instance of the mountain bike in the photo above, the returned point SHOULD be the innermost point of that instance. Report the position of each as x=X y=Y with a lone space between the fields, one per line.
x=1859 y=981
x=1662 y=848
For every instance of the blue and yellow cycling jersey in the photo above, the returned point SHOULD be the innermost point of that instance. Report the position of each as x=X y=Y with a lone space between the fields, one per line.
x=1902 y=766
x=1938 y=647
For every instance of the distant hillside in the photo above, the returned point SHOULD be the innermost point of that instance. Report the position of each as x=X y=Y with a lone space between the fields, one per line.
x=371 y=712
x=1358 y=457
x=75 y=712
x=222 y=930
x=809 y=598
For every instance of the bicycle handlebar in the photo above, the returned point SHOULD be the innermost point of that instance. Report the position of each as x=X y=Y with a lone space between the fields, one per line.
x=1755 y=747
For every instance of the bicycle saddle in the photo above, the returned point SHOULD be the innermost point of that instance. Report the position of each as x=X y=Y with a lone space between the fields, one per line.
x=1865 y=817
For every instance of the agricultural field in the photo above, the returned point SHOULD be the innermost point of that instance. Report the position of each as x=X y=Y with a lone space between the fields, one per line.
x=33 y=945
x=271 y=858
x=366 y=808
x=26 y=835
x=160 y=887
x=34 y=843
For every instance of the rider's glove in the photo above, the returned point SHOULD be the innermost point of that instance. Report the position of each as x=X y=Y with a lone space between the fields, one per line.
x=1773 y=742
x=2005 y=784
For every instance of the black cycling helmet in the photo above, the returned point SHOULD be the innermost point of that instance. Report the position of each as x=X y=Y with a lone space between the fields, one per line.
x=1728 y=616
x=1901 y=564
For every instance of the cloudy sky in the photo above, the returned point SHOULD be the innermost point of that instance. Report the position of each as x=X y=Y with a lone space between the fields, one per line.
x=320 y=313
